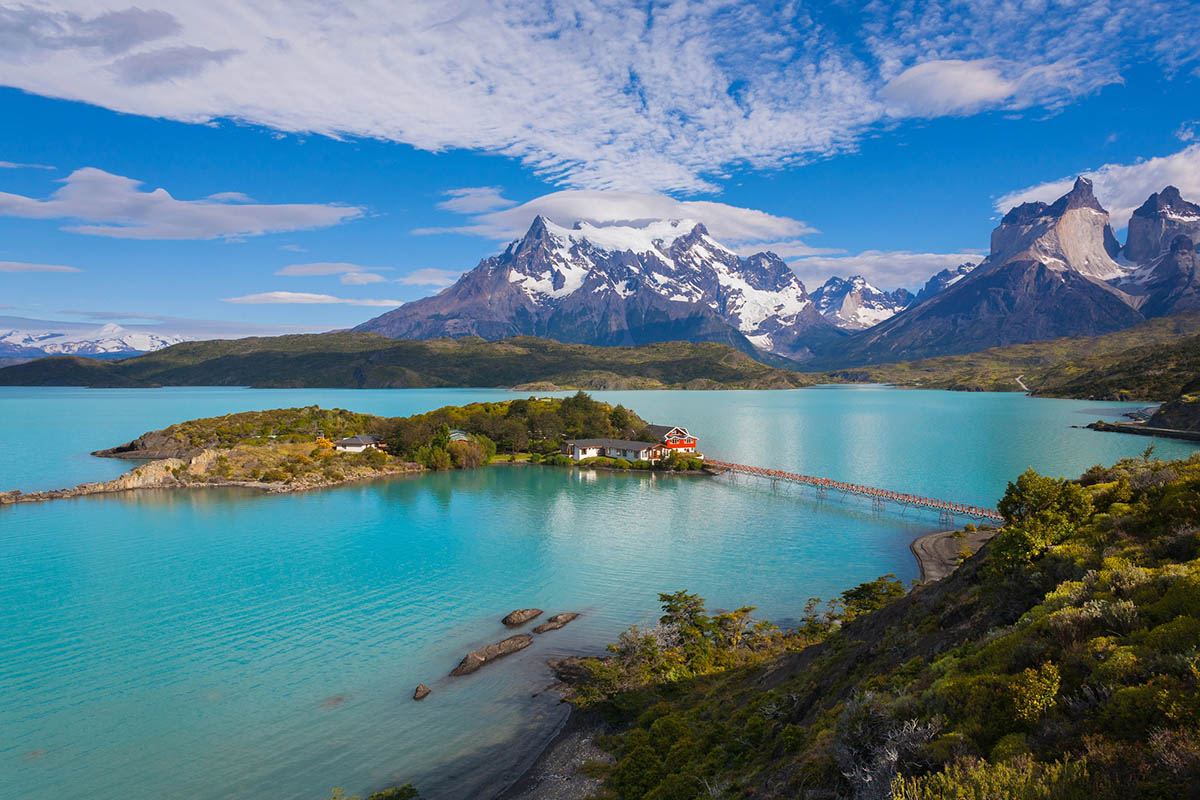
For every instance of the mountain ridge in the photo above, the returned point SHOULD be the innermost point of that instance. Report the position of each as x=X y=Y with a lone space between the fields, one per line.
x=622 y=285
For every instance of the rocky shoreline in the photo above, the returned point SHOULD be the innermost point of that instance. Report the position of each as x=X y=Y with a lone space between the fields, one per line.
x=187 y=473
x=558 y=774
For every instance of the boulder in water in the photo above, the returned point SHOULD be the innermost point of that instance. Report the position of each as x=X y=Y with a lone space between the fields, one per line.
x=521 y=616
x=421 y=692
x=477 y=658
x=555 y=622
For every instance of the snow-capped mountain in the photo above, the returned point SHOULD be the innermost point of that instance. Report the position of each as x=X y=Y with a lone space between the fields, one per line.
x=854 y=304
x=110 y=339
x=943 y=280
x=621 y=284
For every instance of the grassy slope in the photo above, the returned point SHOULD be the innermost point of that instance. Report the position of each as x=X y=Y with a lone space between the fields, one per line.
x=366 y=360
x=1074 y=674
x=1110 y=366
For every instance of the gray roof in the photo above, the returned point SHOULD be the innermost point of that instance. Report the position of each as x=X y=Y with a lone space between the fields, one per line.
x=618 y=444
x=662 y=430
x=362 y=438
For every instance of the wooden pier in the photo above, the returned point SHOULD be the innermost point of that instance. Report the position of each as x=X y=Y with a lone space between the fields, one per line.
x=949 y=511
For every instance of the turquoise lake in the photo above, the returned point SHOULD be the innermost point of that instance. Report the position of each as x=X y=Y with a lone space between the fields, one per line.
x=226 y=644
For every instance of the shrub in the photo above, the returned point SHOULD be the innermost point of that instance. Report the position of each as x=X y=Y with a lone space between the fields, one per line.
x=1034 y=691
x=1021 y=779
x=637 y=773
x=1010 y=747
x=1180 y=635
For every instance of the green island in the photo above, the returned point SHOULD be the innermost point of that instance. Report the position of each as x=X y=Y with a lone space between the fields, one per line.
x=1061 y=660
x=295 y=449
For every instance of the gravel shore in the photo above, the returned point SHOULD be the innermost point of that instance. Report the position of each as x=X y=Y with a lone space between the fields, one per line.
x=937 y=553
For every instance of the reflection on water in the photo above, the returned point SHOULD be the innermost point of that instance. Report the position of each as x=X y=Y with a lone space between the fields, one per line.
x=227 y=643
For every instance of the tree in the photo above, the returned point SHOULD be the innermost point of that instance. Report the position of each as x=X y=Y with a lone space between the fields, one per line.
x=872 y=595
x=1040 y=512
x=441 y=437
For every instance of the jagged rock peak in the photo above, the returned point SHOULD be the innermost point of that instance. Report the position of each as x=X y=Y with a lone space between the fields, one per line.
x=1156 y=225
x=1168 y=198
x=1080 y=196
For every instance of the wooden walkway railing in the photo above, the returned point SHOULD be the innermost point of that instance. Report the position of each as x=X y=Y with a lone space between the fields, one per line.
x=879 y=496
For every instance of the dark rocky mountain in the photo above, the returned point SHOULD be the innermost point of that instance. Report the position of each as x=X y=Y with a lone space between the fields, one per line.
x=1168 y=284
x=1047 y=276
x=1154 y=227
x=854 y=304
x=621 y=285
x=941 y=281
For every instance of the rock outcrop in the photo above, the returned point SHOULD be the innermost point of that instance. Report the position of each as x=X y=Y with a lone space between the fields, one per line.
x=477 y=658
x=555 y=622
x=521 y=616
x=421 y=692
x=1047 y=276
x=1170 y=283
x=1154 y=227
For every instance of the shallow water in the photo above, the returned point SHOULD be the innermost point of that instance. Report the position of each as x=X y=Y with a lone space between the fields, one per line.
x=219 y=644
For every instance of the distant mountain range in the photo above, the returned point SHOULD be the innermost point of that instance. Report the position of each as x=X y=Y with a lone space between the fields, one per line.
x=28 y=339
x=623 y=285
x=1053 y=270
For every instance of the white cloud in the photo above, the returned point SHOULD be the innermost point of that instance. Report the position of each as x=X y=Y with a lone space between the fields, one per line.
x=475 y=200
x=886 y=269
x=21 y=266
x=233 y=197
x=794 y=248
x=1121 y=188
x=326 y=268
x=306 y=298
x=727 y=223
x=15 y=165
x=954 y=86
x=430 y=277
x=167 y=63
x=361 y=278
x=118 y=208
x=588 y=93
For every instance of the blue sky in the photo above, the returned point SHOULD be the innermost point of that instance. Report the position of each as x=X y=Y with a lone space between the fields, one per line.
x=262 y=166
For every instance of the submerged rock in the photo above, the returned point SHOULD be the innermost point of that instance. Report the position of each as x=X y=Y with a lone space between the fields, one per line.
x=421 y=692
x=521 y=616
x=477 y=658
x=555 y=622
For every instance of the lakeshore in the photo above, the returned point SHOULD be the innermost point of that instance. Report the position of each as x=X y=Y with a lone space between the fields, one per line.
x=256 y=612
x=560 y=771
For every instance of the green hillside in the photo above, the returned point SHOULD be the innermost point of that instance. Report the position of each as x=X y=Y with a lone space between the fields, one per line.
x=1150 y=361
x=1061 y=661
x=370 y=361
